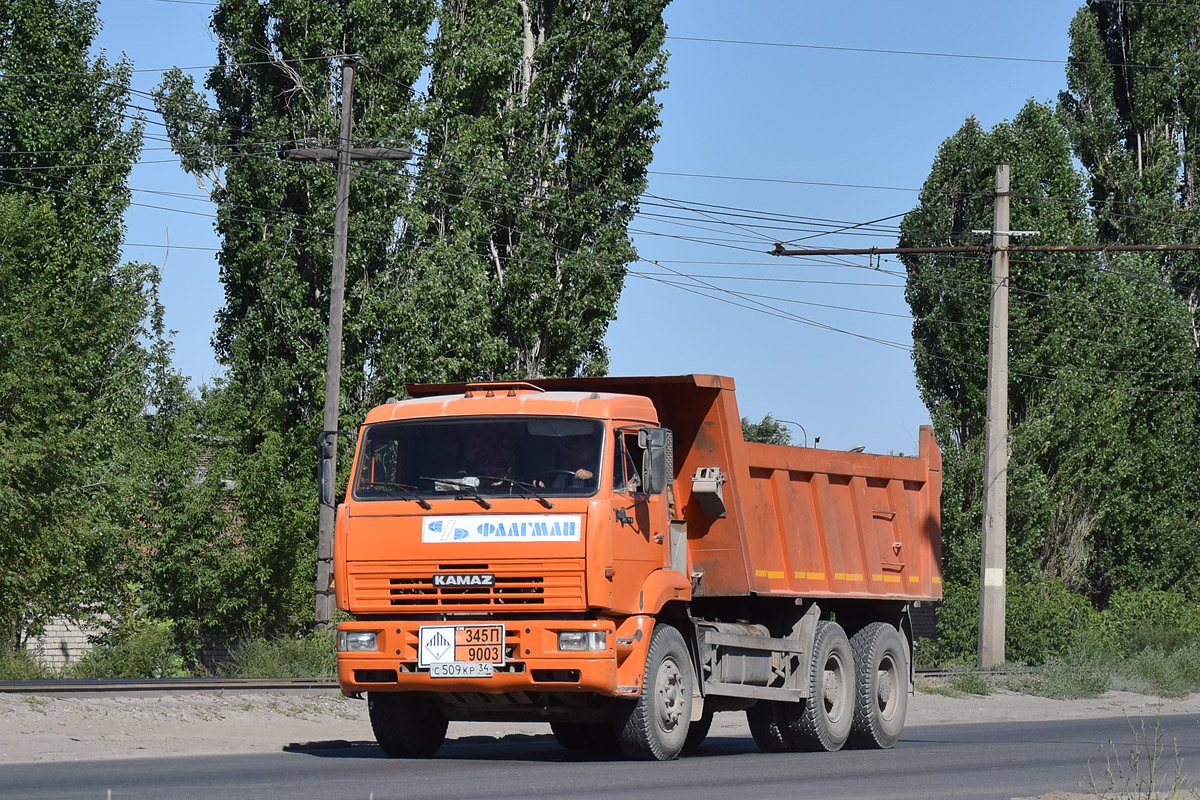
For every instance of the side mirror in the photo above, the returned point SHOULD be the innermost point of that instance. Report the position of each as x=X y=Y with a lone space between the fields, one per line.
x=656 y=459
x=327 y=466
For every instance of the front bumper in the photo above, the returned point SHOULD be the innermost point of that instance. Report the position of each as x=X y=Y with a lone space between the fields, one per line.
x=532 y=660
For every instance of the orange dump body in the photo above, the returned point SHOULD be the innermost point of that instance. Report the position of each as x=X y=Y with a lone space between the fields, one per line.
x=798 y=521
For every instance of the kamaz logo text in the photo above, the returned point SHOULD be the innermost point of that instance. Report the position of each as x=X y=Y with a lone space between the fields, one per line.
x=479 y=579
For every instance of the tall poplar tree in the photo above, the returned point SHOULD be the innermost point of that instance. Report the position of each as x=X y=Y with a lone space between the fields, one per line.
x=1132 y=107
x=500 y=253
x=72 y=364
x=1101 y=400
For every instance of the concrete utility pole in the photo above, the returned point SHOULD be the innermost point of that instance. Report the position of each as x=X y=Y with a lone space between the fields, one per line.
x=992 y=590
x=343 y=154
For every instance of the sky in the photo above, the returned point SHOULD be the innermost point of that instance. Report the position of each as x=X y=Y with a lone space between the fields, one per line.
x=805 y=118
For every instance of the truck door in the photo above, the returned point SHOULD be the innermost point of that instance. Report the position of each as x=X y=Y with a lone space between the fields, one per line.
x=641 y=526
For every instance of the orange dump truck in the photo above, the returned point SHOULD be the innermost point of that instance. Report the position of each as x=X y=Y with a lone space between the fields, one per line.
x=609 y=555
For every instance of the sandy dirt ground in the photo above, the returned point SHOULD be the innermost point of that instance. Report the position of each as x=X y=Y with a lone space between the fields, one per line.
x=80 y=727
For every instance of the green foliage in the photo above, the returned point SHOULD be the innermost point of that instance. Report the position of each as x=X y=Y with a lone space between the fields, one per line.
x=969 y=681
x=1082 y=672
x=1146 y=641
x=311 y=656
x=1161 y=672
x=1045 y=620
x=501 y=256
x=135 y=645
x=768 y=430
x=1102 y=389
x=141 y=649
x=19 y=665
x=72 y=355
x=1148 y=619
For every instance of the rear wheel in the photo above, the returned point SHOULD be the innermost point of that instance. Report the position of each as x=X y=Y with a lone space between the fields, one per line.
x=822 y=722
x=655 y=727
x=882 y=686
x=768 y=721
x=406 y=724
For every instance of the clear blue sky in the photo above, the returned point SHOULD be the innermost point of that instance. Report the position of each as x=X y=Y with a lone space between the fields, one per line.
x=790 y=116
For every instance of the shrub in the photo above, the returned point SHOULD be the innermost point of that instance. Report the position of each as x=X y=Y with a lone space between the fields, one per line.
x=969 y=681
x=1158 y=672
x=1045 y=620
x=1072 y=677
x=311 y=656
x=1148 y=619
x=137 y=649
x=18 y=665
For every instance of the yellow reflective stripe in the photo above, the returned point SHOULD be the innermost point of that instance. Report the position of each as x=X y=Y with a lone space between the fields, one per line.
x=762 y=573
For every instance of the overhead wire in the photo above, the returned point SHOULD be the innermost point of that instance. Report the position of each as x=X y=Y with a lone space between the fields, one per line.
x=701 y=240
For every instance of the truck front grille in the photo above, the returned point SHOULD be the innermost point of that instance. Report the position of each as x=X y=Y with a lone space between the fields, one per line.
x=377 y=588
x=528 y=591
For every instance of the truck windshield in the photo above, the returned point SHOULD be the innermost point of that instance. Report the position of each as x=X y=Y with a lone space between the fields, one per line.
x=473 y=457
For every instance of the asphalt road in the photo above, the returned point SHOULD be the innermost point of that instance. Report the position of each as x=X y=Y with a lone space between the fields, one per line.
x=992 y=760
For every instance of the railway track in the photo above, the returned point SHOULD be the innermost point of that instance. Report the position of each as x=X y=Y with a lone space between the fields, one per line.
x=101 y=685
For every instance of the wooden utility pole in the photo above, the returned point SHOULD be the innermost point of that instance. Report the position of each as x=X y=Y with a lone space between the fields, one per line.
x=343 y=154
x=993 y=565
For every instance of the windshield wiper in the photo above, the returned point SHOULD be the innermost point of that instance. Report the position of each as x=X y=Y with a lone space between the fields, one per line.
x=465 y=490
x=403 y=487
x=527 y=489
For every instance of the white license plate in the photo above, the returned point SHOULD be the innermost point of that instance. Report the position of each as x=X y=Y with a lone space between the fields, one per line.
x=461 y=669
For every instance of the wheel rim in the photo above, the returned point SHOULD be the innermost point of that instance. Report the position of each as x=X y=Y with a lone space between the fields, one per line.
x=669 y=692
x=887 y=687
x=835 y=688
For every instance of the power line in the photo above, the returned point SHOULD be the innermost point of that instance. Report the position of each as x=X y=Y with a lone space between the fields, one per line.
x=883 y=51
x=781 y=180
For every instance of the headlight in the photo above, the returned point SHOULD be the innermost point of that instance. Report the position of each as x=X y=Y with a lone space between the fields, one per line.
x=357 y=641
x=583 y=640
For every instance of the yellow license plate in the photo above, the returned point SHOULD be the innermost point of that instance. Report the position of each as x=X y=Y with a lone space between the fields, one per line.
x=446 y=650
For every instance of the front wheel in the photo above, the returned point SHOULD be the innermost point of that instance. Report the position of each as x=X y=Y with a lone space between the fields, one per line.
x=406 y=724
x=698 y=732
x=882 y=686
x=822 y=722
x=655 y=727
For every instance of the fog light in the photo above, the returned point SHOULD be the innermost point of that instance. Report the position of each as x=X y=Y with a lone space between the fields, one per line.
x=583 y=640
x=357 y=641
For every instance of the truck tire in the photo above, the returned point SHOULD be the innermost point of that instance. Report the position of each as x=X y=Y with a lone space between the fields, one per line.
x=655 y=726
x=698 y=732
x=822 y=722
x=406 y=724
x=585 y=736
x=881 y=695
x=768 y=721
